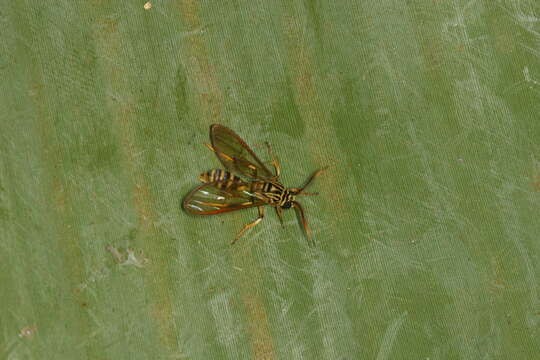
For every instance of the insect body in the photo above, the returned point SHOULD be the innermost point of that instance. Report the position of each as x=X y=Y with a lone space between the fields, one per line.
x=245 y=183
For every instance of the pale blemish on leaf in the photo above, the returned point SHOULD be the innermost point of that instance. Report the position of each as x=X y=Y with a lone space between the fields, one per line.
x=390 y=337
x=129 y=258
x=28 y=331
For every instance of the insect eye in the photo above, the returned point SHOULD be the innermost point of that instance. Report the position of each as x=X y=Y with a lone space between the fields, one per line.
x=287 y=205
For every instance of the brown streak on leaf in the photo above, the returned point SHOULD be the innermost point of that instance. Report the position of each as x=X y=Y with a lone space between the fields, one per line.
x=200 y=69
x=122 y=106
x=536 y=183
x=261 y=340
x=311 y=110
x=59 y=194
x=202 y=75
x=258 y=327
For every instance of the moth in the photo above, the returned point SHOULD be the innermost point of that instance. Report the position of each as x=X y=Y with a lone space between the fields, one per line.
x=245 y=182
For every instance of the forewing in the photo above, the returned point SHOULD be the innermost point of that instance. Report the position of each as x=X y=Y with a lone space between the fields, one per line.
x=207 y=199
x=236 y=155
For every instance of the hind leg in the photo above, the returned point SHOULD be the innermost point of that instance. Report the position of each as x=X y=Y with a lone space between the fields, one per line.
x=250 y=225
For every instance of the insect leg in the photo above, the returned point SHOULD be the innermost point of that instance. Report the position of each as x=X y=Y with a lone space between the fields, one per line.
x=279 y=212
x=300 y=212
x=250 y=225
x=275 y=161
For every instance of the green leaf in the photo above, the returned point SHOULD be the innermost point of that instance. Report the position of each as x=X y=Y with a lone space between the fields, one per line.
x=427 y=114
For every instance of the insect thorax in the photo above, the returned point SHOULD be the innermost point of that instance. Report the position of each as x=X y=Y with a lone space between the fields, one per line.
x=271 y=192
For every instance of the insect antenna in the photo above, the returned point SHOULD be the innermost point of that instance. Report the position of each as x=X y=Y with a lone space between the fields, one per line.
x=310 y=193
x=311 y=178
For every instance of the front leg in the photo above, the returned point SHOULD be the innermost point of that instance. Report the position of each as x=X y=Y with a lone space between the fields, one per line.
x=275 y=161
x=279 y=212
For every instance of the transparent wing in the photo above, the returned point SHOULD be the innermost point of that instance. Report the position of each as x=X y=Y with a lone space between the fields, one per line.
x=236 y=155
x=207 y=199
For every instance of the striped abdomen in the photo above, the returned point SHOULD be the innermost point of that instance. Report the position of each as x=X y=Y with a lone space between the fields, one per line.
x=222 y=178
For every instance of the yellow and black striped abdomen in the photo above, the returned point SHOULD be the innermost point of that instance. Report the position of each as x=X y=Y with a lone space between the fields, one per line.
x=223 y=179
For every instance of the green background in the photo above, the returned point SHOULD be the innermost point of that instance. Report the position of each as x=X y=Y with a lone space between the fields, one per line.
x=427 y=224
